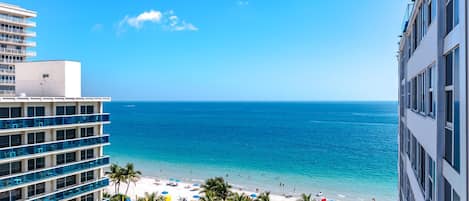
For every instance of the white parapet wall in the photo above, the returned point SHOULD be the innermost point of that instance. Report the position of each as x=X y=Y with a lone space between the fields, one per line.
x=48 y=79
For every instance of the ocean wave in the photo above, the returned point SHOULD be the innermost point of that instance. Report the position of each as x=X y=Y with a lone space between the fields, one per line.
x=353 y=123
x=374 y=114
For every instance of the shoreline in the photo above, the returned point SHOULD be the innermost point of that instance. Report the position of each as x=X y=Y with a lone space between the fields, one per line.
x=184 y=189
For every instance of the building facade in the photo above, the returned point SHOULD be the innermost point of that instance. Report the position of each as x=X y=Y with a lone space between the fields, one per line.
x=14 y=35
x=51 y=138
x=432 y=58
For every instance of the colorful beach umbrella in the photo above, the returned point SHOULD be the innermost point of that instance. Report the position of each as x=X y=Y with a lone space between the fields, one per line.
x=253 y=195
x=164 y=192
x=196 y=196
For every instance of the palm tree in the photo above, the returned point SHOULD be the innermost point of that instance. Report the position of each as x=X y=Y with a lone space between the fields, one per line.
x=265 y=196
x=115 y=173
x=130 y=175
x=218 y=187
x=239 y=197
x=305 y=197
x=148 y=197
x=209 y=196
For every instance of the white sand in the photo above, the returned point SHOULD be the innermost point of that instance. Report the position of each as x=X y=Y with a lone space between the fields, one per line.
x=150 y=185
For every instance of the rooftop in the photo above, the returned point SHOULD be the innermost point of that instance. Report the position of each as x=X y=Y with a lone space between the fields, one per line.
x=54 y=99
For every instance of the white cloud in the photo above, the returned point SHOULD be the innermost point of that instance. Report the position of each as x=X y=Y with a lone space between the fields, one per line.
x=243 y=2
x=167 y=20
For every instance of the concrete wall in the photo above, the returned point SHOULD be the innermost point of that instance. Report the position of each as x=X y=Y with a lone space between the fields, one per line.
x=49 y=78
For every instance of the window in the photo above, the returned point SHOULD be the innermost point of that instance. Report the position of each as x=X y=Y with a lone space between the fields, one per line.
x=65 y=110
x=431 y=179
x=10 y=112
x=65 y=134
x=89 y=197
x=87 y=176
x=36 y=111
x=34 y=138
x=10 y=140
x=65 y=158
x=10 y=168
x=87 y=132
x=36 y=189
x=87 y=154
x=86 y=109
x=451 y=110
x=38 y=163
x=430 y=91
x=452 y=15
x=66 y=181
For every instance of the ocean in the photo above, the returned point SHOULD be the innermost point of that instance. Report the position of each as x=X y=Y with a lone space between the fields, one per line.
x=347 y=150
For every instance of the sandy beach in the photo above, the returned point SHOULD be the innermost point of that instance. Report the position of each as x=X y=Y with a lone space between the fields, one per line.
x=182 y=190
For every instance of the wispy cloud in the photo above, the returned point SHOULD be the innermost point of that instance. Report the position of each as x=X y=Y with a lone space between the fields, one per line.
x=243 y=2
x=97 y=28
x=167 y=20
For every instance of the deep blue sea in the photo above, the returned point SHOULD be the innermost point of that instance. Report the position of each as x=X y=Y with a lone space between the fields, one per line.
x=348 y=150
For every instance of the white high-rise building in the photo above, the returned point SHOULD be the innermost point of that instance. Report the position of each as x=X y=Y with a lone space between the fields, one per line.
x=14 y=35
x=433 y=106
x=51 y=138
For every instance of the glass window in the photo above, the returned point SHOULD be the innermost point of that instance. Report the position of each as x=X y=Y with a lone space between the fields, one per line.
x=4 y=169
x=16 y=194
x=4 y=141
x=70 y=157
x=449 y=16
x=40 y=137
x=40 y=188
x=449 y=146
x=60 y=110
x=40 y=112
x=447 y=188
x=31 y=190
x=71 y=180
x=31 y=138
x=60 y=159
x=449 y=106
x=15 y=112
x=15 y=140
x=15 y=167
x=60 y=183
x=30 y=111
x=40 y=163
x=60 y=135
x=449 y=69
x=70 y=110
x=70 y=134
x=31 y=164
x=4 y=112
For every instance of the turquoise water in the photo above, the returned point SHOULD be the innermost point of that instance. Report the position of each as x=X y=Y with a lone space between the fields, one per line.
x=348 y=150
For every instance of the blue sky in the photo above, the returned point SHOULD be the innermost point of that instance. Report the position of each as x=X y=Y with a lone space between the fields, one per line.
x=225 y=49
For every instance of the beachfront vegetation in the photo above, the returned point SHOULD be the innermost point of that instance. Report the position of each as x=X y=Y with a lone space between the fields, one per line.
x=126 y=174
x=151 y=197
x=217 y=189
x=305 y=197
x=239 y=197
x=119 y=197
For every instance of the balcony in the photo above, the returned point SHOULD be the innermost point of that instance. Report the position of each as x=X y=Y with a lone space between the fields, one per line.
x=26 y=150
x=20 y=32
x=19 y=42
x=72 y=192
x=407 y=16
x=51 y=121
x=30 y=177
x=11 y=51
x=16 y=20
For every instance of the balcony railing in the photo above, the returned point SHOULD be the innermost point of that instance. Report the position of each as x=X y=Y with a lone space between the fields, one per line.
x=407 y=16
x=17 y=52
x=18 y=41
x=18 y=31
x=31 y=122
x=72 y=192
x=25 y=150
x=17 y=20
x=14 y=181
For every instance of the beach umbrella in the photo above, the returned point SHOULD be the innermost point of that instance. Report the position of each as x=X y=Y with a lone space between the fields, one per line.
x=164 y=192
x=196 y=196
x=253 y=195
x=195 y=184
x=177 y=180
x=167 y=198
